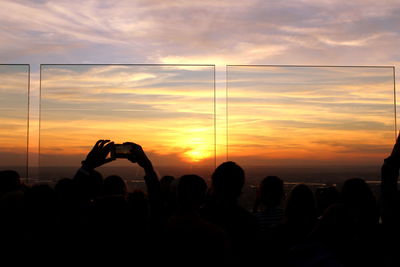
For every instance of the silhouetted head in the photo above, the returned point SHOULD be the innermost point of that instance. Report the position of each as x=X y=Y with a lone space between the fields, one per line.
x=357 y=196
x=165 y=184
x=64 y=186
x=335 y=227
x=166 y=181
x=137 y=201
x=300 y=207
x=66 y=190
x=41 y=197
x=90 y=186
x=356 y=192
x=325 y=197
x=114 y=185
x=271 y=191
x=9 y=181
x=191 y=191
x=227 y=181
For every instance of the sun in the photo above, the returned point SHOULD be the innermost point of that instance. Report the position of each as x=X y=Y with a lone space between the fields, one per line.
x=197 y=148
x=197 y=154
x=194 y=155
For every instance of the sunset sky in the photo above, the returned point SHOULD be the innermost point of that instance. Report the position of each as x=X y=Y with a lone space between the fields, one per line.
x=309 y=116
x=14 y=116
x=308 y=32
x=169 y=109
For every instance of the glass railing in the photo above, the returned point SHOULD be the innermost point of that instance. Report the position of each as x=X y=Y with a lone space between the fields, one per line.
x=304 y=123
x=14 y=101
x=168 y=109
x=310 y=123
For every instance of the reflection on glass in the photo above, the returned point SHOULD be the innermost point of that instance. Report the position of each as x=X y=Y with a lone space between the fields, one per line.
x=310 y=123
x=14 y=88
x=168 y=109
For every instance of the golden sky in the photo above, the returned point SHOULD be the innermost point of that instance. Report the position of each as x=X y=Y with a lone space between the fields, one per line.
x=305 y=116
x=277 y=115
x=14 y=115
x=169 y=110
x=318 y=32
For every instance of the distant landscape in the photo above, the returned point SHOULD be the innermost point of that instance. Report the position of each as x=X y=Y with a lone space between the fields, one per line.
x=313 y=177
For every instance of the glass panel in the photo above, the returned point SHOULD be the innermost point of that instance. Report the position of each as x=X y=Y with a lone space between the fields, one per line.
x=14 y=93
x=168 y=109
x=310 y=124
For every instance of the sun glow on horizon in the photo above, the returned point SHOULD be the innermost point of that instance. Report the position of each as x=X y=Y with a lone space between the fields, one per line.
x=169 y=110
x=277 y=115
x=197 y=154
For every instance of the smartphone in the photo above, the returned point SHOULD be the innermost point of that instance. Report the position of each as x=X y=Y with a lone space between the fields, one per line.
x=121 y=151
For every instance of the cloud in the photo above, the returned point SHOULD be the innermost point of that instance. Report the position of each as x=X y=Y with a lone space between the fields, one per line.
x=170 y=110
x=294 y=113
x=327 y=32
x=223 y=31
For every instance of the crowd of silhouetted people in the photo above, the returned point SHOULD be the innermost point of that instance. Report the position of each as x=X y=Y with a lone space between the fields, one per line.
x=184 y=221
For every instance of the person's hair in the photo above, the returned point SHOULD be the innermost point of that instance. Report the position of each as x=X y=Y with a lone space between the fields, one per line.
x=325 y=197
x=271 y=191
x=41 y=197
x=138 y=203
x=167 y=180
x=356 y=191
x=357 y=196
x=165 y=184
x=191 y=191
x=89 y=186
x=228 y=180
x=300 y=206
x=114 y=185
x=9 y=180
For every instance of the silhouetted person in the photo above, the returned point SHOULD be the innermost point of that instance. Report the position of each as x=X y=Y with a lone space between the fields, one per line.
x=165 y=183
x=325 y=197
x=334 y=234
x=114 y=185
x=358 y=198
x=168 y=195
x=70 y=216
x=68 y=199
x=41 y=220
x=90 y=182
x=89 y=185
x=222 y=209
x=191 y=240
x=12 y=213
x=138 y=206
x=9 y=181
x=300 y=212
x=390 y=201
x=349 y=229
x=111 y=217
x=299 y=220
x=360 y=202
x=109 y=230
x=11 y=191
x=270 y=195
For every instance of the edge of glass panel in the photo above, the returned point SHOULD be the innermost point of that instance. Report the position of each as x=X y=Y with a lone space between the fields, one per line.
x=308 y=66
x=26 y=174
x=127 y=64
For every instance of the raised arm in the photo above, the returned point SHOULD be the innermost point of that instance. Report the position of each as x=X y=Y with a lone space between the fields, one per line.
x=151 y=178
x=95 y=158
